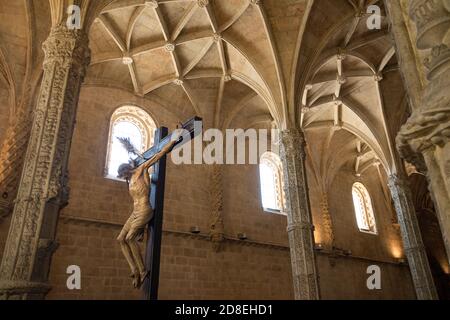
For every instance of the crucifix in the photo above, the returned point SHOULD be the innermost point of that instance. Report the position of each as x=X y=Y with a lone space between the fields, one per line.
x=147 y=192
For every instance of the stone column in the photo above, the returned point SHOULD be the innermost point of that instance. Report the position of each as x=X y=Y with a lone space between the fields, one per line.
x=300 y=226
x=412 y=238
x=425 y=139
x=43 y=189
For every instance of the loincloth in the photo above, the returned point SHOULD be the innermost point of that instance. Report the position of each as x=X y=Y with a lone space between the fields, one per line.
x=138 y=221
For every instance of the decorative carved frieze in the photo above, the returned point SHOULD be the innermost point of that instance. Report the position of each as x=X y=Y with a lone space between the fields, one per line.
x=300 y=227
x=424 y=131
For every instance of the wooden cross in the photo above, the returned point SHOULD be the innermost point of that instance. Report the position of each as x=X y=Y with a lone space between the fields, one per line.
x=158 y=179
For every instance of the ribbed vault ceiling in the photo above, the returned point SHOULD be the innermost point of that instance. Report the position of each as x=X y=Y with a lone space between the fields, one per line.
x=208 y=55
x=340 y=89
x=218 y=59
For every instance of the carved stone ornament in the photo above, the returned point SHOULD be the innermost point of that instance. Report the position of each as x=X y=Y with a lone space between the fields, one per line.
x=300 y=227
x=43 y=189
x=429 y=126
x=432 y=20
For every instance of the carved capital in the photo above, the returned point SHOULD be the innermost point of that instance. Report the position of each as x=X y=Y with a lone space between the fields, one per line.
x=341 y=54
x=43 y=188
x=397 y=181
x=300 y=226
x=293 y=143
x=424 y=130
x=430 y=125
x=432 y=18
x=67 y=48
x=227 y=78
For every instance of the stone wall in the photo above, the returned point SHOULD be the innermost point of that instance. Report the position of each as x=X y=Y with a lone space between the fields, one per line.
x=257 y=269
x=190 y=266
x=387 y=243
x=345 y=277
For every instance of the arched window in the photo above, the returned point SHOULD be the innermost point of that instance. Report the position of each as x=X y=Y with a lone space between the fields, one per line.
x=128 y=122
x=363 y=209
x=271 y=177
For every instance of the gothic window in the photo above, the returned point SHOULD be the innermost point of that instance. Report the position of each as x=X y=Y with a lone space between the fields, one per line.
x=271 y=177
x=363 y=209
x=128 y=122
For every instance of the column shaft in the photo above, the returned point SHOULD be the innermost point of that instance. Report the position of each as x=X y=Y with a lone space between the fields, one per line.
x=300 y=227
x=412 y=239
x=43 y=188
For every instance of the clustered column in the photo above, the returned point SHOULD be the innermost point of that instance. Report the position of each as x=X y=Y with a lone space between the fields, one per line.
x=412 y=239
x=300 y=227
x=43 y=189
x=424 y=139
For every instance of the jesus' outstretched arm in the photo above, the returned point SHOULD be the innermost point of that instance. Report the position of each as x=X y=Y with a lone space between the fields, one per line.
x=166 y=149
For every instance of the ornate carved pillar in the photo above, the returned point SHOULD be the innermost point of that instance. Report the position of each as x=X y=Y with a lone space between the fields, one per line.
x=12 y=154
x=217 y=232
x=412 y=239
x=426 y=134
x=43 y=187
x=327 y=222
x=300 y=226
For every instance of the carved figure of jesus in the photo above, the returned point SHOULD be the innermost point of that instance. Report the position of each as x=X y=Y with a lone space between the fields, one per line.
x=133 y=231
